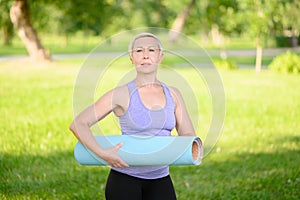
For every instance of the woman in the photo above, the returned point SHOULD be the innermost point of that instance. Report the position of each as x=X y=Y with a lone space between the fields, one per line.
x=145 y=106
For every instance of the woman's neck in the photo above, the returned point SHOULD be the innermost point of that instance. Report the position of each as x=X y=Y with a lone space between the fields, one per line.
x=145 y=80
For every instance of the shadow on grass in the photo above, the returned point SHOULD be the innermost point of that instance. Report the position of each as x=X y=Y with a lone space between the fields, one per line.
x=57 y=176
x=242 y=175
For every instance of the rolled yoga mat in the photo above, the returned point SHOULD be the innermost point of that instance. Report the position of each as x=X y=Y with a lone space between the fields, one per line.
x=146 y=150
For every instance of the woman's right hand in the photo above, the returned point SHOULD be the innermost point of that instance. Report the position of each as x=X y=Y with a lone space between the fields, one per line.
x=112 y=158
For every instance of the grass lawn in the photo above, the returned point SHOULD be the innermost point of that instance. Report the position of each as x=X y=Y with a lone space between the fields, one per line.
x=256 y=157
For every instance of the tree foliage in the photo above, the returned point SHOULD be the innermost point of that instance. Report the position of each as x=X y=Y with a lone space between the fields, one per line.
x=6 y=27
x=105 y=17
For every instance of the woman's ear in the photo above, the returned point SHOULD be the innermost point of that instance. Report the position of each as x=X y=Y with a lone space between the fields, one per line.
x=161 y=57
x=130 y=57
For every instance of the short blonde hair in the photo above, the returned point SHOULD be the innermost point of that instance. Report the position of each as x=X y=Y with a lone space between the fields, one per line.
x=141 y=35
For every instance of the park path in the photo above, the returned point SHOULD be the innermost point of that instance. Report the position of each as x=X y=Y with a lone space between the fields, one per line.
x=242 y=53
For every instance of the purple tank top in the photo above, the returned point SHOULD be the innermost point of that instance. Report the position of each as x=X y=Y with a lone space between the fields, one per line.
x=140 y=120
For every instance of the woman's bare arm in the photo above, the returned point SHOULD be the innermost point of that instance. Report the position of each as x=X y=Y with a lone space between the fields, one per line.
x=87 y=118
x=184 y=125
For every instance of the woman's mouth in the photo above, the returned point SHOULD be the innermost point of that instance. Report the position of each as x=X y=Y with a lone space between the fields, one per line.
x=146 y=64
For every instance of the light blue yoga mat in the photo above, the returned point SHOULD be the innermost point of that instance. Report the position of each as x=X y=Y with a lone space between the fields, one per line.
x=146 y=150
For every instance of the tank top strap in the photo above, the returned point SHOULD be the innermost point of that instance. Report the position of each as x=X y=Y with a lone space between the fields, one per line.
x=168 y=95
x=131 y=87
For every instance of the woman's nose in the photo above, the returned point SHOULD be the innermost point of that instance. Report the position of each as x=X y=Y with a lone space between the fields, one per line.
x=146 y=53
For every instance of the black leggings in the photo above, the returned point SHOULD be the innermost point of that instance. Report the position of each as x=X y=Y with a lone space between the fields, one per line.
x=121 y=186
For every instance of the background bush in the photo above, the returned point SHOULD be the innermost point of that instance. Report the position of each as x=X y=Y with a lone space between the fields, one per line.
x=226 y=64
x=286 y=63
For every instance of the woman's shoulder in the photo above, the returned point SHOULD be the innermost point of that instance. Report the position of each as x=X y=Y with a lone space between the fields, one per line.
x=175 y=93
x=120 y=93
x=120 y=98
x=120 y=90
x=174 y=90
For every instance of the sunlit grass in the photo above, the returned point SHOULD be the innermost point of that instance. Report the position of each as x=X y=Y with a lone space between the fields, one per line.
x=256 y=157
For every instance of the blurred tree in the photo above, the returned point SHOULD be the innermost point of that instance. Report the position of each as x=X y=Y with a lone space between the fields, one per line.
x=139 y=13
x=215 y=18
x=20 y=17
x=288 y=11
x=5 y=23
x=45 y=15
x=180 y=20
x=255 y=17
x=91 y=17
x=220 y=15
x=80 y=16
x=153 y=13
x=219 y=18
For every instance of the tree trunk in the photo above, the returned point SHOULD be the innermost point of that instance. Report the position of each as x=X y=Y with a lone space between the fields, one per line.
x=179 y=21
x=258 y=55
x=20 y=17
x=217 y=37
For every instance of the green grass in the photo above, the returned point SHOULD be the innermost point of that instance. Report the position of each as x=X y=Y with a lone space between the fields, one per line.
x=256 y=157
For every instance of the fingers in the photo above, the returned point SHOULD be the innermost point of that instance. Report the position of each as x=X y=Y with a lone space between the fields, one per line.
x=118 y=162
x=119 y=145
x=123 y=164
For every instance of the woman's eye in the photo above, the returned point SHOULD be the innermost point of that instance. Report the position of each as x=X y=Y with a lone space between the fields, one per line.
x=139 y=50
x=151 y=50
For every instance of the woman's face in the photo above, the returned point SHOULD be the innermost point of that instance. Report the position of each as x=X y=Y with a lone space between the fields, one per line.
x=146 y=53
